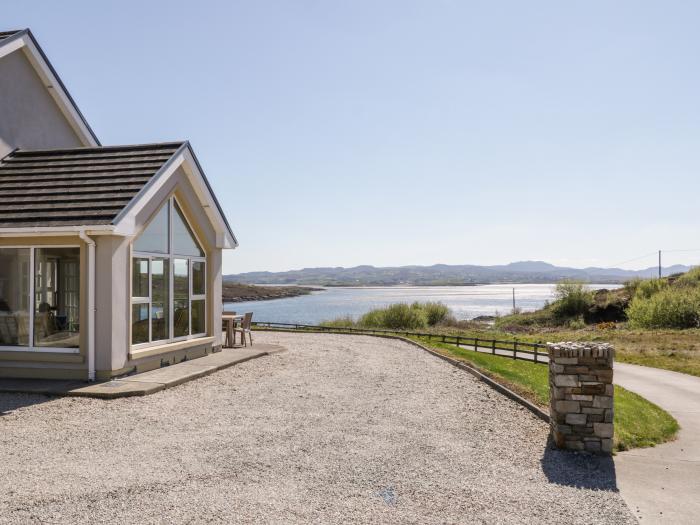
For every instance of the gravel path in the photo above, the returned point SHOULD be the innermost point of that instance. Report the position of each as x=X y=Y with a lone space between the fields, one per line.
x=337 y=429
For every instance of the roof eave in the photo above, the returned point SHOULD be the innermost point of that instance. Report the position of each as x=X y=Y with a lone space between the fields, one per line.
x=124 y=223
x=57 y=231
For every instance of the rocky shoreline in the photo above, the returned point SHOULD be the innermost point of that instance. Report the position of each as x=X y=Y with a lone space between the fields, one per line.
x=238 y=293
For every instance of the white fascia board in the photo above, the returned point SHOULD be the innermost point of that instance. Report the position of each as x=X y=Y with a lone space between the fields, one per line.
x=224 y=239
x=52 y=84
x=125 y=222
x=57 y=231
x=10 y=47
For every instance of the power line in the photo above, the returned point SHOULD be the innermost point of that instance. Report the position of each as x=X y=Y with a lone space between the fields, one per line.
x=634 y=259
x=655 y=252
x=679 y=251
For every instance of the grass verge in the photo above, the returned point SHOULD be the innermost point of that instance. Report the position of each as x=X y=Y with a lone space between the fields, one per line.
x=638 y=422
x=677 y=350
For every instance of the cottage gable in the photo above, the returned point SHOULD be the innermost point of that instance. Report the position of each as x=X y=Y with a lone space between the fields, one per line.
x=36 y=110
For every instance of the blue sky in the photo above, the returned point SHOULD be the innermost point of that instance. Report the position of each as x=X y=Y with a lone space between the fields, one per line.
x=399 y=132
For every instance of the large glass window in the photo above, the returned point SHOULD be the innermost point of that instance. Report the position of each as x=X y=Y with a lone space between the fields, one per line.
x=160 y=307
x=154 y=238
x=40 y=297
x=184 y=242
x=181 y=297
x=14 y=296
x=139 y=323
x=57 y=297
x=168 y=281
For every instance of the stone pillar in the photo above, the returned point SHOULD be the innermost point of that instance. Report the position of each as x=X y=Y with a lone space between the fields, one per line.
x=581 y=395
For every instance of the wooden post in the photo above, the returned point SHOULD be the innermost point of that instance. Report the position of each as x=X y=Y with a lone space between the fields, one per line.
x=493 y=347
x=535 y=352
x=457 y=342
x=515 y=349
x=476 y=341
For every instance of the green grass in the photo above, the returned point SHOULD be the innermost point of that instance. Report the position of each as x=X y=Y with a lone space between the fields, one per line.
x=638 y=422
x=530 y=380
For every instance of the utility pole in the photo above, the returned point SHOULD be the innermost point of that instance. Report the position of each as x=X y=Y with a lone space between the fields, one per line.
x=659 y=264
x=514 y=300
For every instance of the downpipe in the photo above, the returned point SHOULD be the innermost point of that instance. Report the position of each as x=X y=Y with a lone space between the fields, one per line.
x=91 y=303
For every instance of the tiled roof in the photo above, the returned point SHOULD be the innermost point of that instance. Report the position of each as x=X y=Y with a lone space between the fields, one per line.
x=74 y=187
x=7 y=34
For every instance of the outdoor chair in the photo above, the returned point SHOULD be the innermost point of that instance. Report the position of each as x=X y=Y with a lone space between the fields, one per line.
x=245 y=329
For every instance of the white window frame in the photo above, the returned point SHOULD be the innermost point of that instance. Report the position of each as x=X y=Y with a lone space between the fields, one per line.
x=198 y=297
x=170 y=256
x=32 y=300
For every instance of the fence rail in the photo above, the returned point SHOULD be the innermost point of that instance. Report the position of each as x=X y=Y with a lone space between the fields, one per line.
x=523 y=350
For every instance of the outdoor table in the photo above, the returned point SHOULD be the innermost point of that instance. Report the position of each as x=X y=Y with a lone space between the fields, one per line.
x=230 y=325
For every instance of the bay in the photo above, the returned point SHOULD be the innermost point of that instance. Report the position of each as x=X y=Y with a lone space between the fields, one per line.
x=466 y=302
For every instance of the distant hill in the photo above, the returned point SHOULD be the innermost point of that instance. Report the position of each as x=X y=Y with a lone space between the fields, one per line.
x=443 y=274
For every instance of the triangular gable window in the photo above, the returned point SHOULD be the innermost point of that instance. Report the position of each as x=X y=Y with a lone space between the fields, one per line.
x=184 y=242
x=154 y=239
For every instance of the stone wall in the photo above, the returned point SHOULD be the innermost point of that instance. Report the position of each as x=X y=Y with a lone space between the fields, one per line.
x=581 y=400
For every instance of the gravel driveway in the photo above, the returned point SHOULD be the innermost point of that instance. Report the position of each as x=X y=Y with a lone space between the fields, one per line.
x=337 y=429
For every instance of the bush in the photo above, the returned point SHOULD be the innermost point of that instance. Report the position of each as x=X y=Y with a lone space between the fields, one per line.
x=573 y=299
x=436 y=313
x=395 y=317
x=668 y=308
x=399 y=316
x=648 y=287
x=577 y=323
x=689 y=279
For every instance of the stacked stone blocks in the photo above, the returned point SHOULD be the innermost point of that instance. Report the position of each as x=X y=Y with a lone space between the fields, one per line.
x=581 y=395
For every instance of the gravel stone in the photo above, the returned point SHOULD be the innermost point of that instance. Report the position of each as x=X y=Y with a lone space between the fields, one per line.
x=337 y=429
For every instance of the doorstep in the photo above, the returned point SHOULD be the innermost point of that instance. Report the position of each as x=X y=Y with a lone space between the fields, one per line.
x=145 y=383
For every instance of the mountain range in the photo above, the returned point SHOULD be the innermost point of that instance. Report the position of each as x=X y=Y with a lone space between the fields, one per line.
x=444 y=274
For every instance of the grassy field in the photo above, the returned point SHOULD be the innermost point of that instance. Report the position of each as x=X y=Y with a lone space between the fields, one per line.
x=677 y=350
x=638 y=423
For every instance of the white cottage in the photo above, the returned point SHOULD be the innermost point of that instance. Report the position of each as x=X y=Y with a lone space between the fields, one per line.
x=110 y=256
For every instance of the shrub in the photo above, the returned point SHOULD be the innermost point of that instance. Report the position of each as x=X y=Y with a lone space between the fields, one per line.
x=577 y=323
x=372 y=319
x=395 y=317
x=436 y=313
x=669 y=308
x=689 y=279
x=648 y=287
x=573 y=299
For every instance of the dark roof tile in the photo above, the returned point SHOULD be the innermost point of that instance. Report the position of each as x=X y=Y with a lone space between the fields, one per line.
x=8 y=34
x=75 y=187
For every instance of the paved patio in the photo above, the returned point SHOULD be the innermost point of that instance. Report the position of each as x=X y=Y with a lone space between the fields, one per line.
x=144 y=383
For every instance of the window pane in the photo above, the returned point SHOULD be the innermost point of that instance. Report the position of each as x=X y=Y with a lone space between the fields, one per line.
x=139 y=323
x=139 y=278
x=198 y=285
x=57 y=297
x=198 y=317
x=181 y=297
x=184 y=242
x=160 y=281
x=155 y=237
x=14 y=296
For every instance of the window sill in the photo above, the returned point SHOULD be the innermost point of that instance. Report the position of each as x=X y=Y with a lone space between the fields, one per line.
x=139 y=353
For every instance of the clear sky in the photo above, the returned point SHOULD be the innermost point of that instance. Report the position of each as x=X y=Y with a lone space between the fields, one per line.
x=404 y=132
